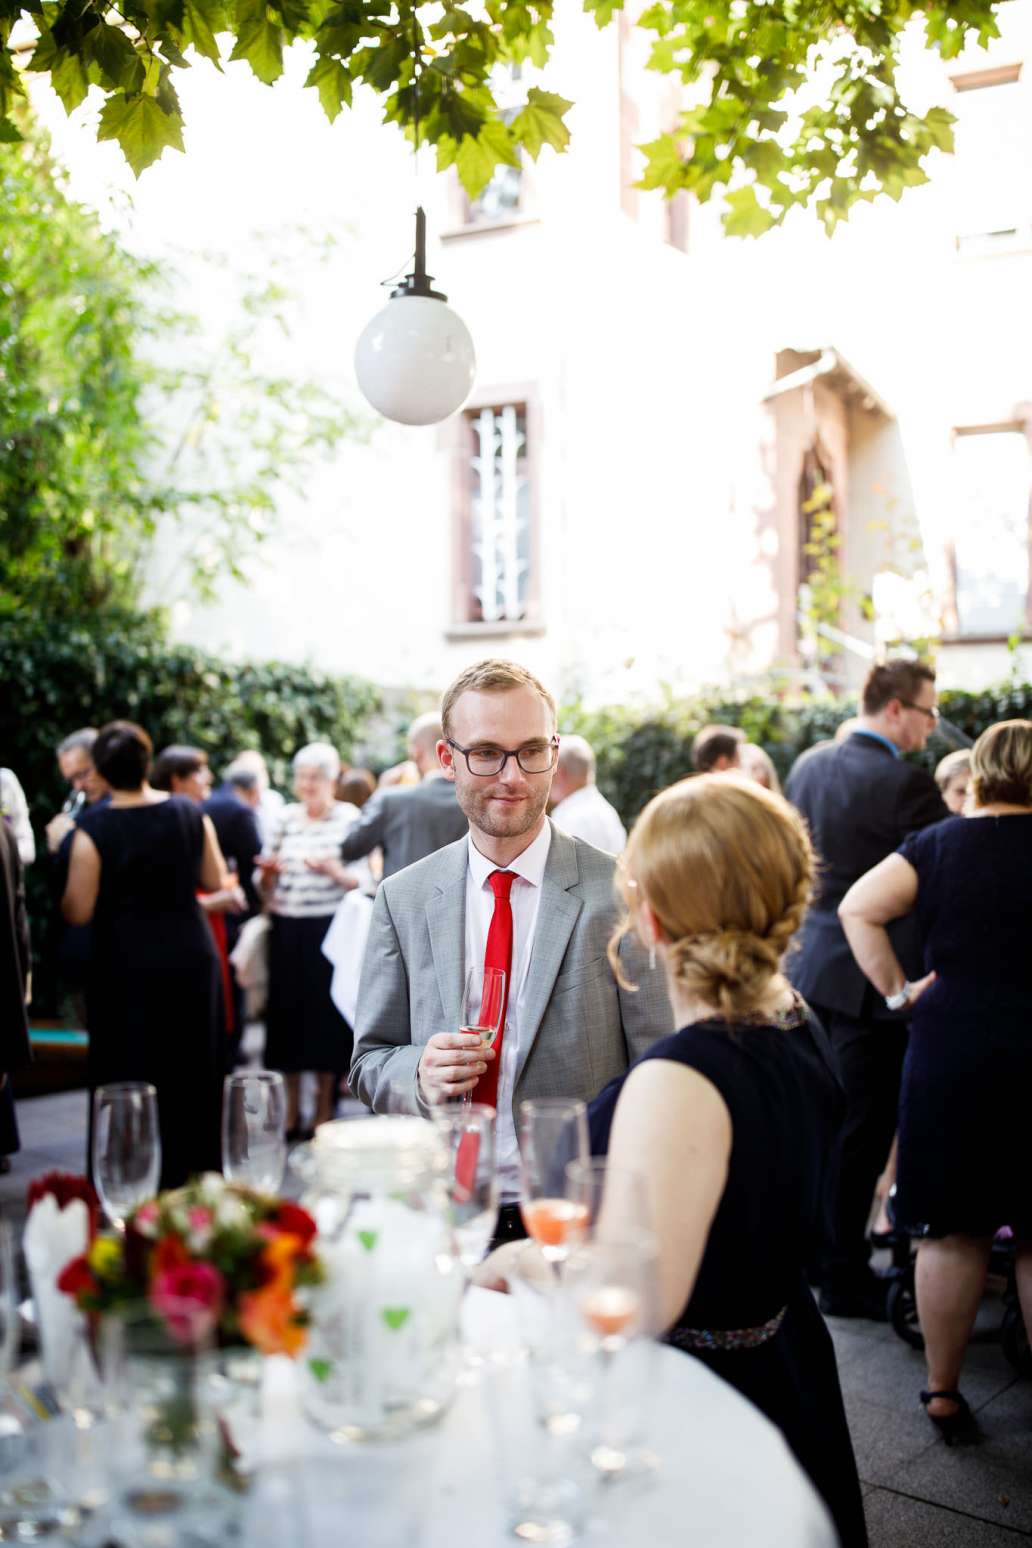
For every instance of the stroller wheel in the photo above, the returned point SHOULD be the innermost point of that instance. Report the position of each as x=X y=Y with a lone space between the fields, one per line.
x=901 y=1304
x=1014 y=1339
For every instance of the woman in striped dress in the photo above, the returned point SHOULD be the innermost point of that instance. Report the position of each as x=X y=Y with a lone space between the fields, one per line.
x=303 y=880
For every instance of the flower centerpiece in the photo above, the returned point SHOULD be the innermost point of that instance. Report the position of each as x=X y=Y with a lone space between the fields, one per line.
x=216 y=1263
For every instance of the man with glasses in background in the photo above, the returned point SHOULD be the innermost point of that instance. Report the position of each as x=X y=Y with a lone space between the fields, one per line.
x=860 y=799
x=516 y=893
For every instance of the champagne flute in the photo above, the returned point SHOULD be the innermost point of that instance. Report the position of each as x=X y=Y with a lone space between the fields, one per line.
x=615 y=1197
x=552 y=1133
x=126 y=1147
x=254 y=1129
x=483 y=1008
x=613 y=1286
x=9 y=1316
x=469 y=1134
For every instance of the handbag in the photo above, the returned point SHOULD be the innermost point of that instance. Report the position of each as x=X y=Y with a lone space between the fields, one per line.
x=250 y=959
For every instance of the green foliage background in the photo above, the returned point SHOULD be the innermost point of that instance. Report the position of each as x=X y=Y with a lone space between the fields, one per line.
x=120 y=665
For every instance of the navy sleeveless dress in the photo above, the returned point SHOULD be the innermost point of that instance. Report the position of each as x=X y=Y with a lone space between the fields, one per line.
x=154 y=989
x=965 y=1139
x=786 y=1105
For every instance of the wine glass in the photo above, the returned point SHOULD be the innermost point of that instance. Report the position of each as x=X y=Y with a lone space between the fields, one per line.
x=616 y=1198
x=613 y=1288
x=9 y=1317
x=552 y=1133
x=126 y=1147
x=254 y=1129
x=483 y=1007
x=469 y=1133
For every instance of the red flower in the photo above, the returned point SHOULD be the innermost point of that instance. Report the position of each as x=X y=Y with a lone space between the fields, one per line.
x=189 y=1297
x=76 y=1278
x=294 y=1221
x=170 y=1253
x=65 y=1186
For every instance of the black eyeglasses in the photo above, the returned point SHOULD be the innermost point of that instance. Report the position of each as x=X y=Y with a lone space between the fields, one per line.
x=484 y=762
x=933 y=714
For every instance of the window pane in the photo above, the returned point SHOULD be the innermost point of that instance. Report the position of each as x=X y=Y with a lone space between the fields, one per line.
x=991 y=526
x=500 y=513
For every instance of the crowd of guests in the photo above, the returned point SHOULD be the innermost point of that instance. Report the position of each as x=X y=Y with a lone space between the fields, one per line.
x=785 y=983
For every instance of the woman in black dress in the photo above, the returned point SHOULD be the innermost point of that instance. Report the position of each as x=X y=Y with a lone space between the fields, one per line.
x=732 y=1119
x=154 y=992
x=965 y=1141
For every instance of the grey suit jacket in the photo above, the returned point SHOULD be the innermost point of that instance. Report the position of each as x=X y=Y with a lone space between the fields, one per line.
x=581 y=1028
x=406 y=823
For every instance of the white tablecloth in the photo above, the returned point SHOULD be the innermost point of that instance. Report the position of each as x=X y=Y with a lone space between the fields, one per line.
x=727 y=1479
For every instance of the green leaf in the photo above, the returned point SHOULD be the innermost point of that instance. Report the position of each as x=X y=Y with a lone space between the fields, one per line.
x=745 y=214
x=541 y=122
x=70 y=81
x=142 y=128
x=603 y=10
x=260 y=42
x=368 y=1239
x=333 y=82
x=396 y=1316
x=9 y=134
x=320 y=1369
x=197 y=31
x=114 y=53
x=664 y=164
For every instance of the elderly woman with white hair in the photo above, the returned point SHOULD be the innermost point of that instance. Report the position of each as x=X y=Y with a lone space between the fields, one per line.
x=303 y=881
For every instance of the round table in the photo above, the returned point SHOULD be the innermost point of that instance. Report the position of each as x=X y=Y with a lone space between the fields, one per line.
x=726 y=1479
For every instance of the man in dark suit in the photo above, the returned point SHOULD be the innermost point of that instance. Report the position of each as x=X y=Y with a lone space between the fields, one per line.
x=15 y=962
x=231 y=808
x=409 y=822
x=861 y=799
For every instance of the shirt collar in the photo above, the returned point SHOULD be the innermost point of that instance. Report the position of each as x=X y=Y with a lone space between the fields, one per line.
x=876 y=736
x=530 y=865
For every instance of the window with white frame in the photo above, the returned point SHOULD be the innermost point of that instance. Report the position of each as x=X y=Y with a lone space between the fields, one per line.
x=990 y=168
x=992 y=483
x=498 y=525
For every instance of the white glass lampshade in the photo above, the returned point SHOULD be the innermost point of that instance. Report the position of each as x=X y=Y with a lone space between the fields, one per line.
x=415 y=360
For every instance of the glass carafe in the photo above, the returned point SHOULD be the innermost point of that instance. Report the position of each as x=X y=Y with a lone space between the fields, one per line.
x=383 y=1351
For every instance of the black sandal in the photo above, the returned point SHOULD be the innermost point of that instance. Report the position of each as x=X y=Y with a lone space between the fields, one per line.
x=956 y=1428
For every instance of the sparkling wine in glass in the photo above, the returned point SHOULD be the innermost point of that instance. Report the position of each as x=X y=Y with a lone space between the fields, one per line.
x=254 y=1129
x=552 y=1133
x=469 y=1134
x=483 y=1007
x=126 y=1147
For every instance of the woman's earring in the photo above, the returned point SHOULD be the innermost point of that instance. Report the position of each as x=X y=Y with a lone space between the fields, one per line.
x=652 y=956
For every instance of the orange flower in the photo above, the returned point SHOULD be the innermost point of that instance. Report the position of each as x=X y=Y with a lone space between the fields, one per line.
x=277 y=1261
x=267 y=1320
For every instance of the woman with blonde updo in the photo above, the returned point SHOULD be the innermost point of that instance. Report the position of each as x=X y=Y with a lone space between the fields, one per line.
x=965 y=1151
x=731 y=1121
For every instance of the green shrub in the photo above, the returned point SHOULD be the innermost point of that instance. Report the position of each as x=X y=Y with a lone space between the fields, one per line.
x=55 y=679
x=642 y=749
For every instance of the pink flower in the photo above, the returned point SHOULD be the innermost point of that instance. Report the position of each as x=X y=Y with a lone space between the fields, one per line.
x=188 y=1296
x=146 y=1218
x=200 y=1218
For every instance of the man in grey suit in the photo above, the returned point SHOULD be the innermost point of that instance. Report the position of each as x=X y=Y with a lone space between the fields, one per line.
x=569 y=1027
x=405 y=822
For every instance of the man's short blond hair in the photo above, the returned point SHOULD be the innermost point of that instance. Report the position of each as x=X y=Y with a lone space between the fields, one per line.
x=491 y=676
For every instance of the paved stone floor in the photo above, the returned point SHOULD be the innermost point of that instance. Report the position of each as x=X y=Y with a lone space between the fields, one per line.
x=918 y=1493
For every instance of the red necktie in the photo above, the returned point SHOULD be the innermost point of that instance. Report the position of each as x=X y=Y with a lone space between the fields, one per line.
x=497 y=955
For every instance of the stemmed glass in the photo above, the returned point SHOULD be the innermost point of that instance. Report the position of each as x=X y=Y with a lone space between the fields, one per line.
x=254 y=1129
x=552 y=1133
x=483 y=1007
x=469 y=1133
x=9 y=1326
x=126 y=1147
x=615 y=1197
x=612 y=1285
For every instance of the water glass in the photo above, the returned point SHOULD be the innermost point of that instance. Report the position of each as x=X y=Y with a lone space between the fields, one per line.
x=469 y=1134
x=544 y=1482
x=126 y=1147
x=254 y=1129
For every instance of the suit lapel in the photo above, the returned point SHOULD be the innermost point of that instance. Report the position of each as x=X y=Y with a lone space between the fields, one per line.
x=446 y=922
x=557 y=914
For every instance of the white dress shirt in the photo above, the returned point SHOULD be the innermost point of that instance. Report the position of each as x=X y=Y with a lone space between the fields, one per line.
x=525 y=898
x=586 y=814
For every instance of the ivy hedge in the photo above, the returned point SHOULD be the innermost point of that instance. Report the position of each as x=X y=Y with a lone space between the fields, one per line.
x=56 y=678
x=642 y=750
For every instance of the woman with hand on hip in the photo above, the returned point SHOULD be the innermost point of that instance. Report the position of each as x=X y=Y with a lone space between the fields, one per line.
x=965 y=1143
